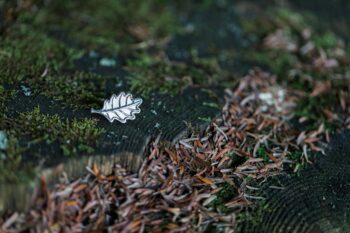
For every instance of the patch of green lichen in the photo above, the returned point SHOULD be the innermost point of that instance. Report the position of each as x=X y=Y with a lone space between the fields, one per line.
x=279 y=62
x=326 y=41
x=150 y=73
x=326 y=108
x=26 y=53
x=299 y=160
x=110 y=25
x=28 y=56
x=79 y=89
x=76 y=136
x=227 y=193
x=312 y=108
x=262 y=153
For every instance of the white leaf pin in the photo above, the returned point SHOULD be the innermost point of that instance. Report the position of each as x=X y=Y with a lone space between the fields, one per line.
x=121 y=108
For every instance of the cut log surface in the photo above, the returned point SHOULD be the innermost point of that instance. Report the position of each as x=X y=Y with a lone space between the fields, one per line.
x=166 y=115
x=317 y=200
x=161 y=115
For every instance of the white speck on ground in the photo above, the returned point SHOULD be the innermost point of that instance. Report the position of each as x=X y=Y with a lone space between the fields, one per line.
x=26 y=90
x=93 y=54
x=119 y=83
x=267 y=98
x=108 y=62
x=3 y=140
x=273 y=98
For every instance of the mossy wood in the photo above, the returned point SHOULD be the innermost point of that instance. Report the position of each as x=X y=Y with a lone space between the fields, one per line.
x=57 y=62
x=51 y=76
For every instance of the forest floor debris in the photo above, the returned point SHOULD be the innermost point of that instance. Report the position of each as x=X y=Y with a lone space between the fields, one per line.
x=200 y=183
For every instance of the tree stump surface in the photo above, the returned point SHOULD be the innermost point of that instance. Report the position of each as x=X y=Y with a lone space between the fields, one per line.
x=167 y=115
x=181 y=77
x=316 y=200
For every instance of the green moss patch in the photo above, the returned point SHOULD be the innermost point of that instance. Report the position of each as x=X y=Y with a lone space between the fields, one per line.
x=27 y=54
x=285 y=42
x=109 y=25
x=79 y=89
x=262 y=153
x=5 y=95
x=279 y=62
x=326 y=41
x=274 y=18
x=312 y=108
x=151 y=73
x=32 y=128
x=74 y=137
x=227 y=193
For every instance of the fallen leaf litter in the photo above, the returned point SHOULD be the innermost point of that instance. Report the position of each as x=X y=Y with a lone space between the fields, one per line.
x=176 y=186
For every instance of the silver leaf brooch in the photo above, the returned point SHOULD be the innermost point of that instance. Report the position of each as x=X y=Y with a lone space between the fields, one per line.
x=121 y=108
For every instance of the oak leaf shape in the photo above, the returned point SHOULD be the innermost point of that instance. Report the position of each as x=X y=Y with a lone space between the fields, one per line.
x=121 y=108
